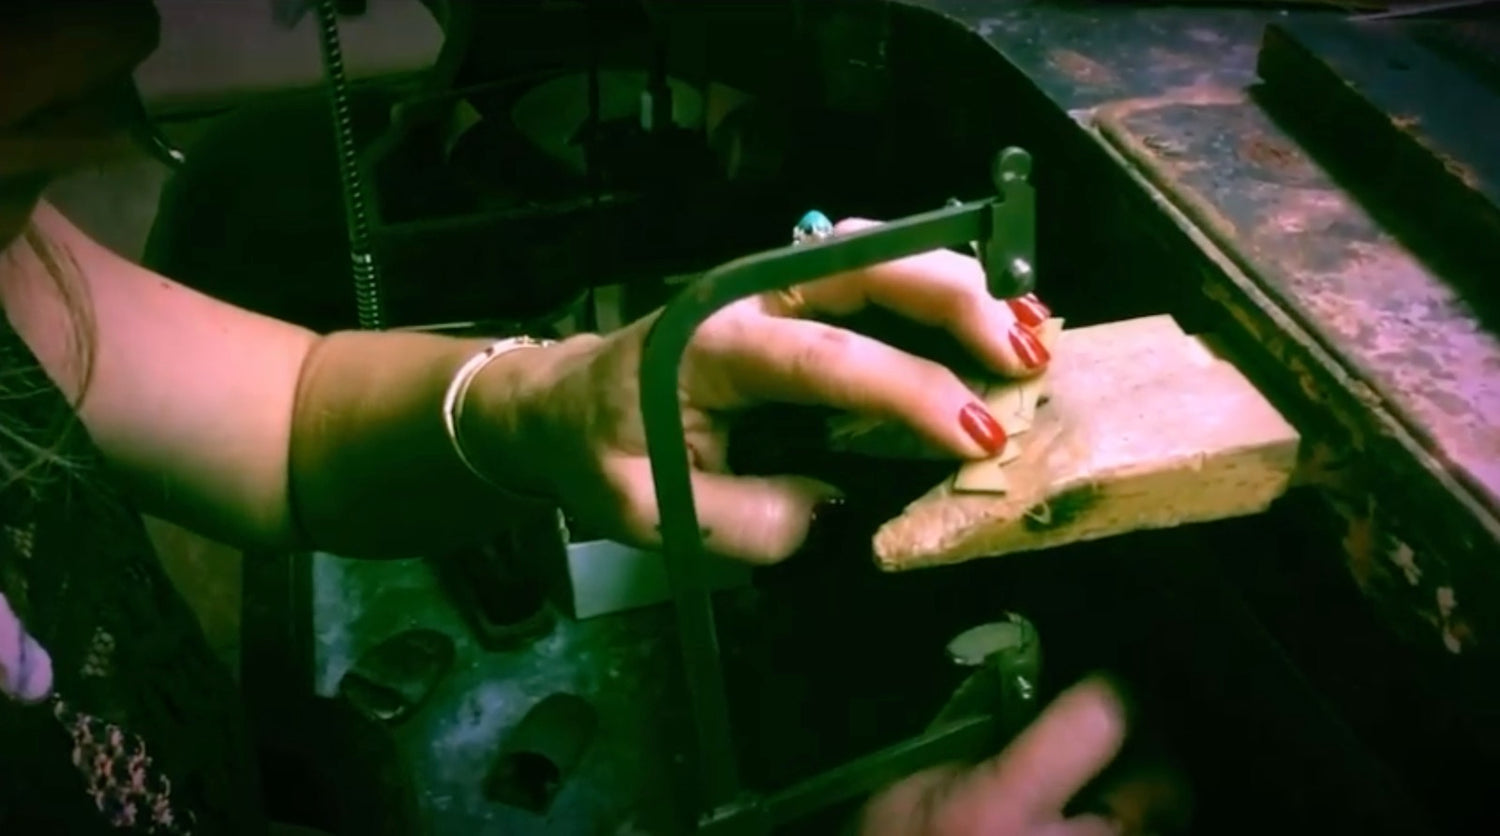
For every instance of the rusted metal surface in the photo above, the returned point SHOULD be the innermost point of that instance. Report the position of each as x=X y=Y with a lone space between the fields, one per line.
x=1417 y=343
x=1409 y=340
x=1087 y=54
x=1410 y=108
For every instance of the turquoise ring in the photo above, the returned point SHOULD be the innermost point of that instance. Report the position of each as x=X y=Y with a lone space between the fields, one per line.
x=814 y=226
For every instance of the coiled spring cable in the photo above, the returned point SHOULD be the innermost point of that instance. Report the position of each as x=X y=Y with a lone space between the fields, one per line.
x=368 y=298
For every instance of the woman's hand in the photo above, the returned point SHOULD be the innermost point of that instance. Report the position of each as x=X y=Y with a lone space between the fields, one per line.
x=1022 y=791
x=580 y=421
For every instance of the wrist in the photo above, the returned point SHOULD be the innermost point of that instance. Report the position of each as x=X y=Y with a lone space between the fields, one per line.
x=514 y=422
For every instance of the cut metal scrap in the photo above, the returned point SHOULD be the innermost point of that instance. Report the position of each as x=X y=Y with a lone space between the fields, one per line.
x=1014 y=405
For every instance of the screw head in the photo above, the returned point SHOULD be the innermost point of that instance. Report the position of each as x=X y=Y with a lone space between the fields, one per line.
x=1012 y=164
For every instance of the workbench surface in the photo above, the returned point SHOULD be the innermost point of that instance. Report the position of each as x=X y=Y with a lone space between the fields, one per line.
x=1351 y=323
x=1357 y=322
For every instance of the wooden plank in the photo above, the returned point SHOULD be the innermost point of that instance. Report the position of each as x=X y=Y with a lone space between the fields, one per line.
x=880 y=438
x=1146 y=427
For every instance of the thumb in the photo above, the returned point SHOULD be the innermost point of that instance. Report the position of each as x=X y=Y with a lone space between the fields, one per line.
x=757 y=519
x=1030 y=782
x=760 y=519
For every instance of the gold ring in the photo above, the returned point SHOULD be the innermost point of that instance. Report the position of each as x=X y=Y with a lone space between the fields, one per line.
x=790 y=302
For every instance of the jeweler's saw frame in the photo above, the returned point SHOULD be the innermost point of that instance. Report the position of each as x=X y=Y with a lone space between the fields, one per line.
x=1004 y=230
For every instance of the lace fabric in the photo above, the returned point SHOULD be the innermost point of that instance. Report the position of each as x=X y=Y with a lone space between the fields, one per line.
x=115 y=717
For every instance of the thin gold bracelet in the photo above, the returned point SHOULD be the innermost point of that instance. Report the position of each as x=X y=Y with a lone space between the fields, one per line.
x=457 y=395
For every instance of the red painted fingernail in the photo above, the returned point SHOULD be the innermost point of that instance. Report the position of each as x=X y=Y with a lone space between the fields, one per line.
x=982 y=427
x=1029 y=310
x=1033 y=354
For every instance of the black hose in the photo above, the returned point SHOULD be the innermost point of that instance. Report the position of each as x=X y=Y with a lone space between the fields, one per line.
x=148 y=135
x=368 y=299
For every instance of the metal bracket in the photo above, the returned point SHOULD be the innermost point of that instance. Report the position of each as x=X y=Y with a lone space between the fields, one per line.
x=1009 y=251
x=1004 y=228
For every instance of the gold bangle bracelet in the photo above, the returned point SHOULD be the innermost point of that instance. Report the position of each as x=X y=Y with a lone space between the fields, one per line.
x=457 y=395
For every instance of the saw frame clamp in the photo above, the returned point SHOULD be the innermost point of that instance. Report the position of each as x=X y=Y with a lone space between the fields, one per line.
x=1003 y=232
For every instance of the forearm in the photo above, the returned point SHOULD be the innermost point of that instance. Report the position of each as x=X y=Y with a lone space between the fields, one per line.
x=372 y=472
x=263 y=434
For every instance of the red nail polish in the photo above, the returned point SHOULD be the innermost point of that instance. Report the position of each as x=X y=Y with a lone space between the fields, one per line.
x=1043 y=356
x=1033 y=354
x=1029 y=311
x=982 y=427
x=1040 y=306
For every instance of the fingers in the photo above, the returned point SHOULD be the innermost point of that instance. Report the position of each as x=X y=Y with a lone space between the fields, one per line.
x=807 y=362
x=1078 y=826
x=1029 y=310
x=906 y=807
x=944 y=290
x=12 y=644
x=1030 y=782
x=754 y=519
x=25 y=668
